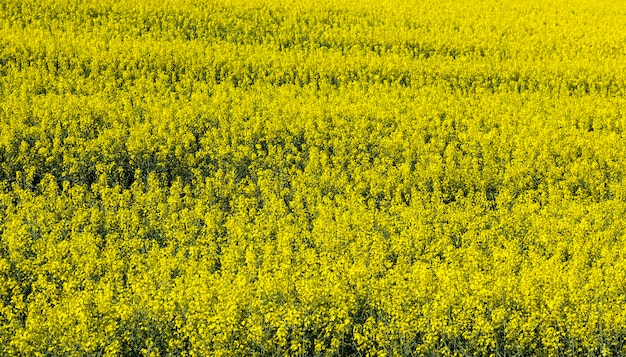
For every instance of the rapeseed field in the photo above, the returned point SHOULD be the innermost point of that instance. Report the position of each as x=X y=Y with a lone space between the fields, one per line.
x=312 y=178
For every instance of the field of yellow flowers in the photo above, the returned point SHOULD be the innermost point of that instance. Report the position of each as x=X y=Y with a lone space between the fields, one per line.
x=312 y=178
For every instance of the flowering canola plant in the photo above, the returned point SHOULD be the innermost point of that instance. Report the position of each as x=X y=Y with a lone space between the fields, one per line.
x=312 y=178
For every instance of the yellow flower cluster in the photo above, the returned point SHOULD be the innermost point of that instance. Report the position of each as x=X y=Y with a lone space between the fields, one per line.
x=312 y=178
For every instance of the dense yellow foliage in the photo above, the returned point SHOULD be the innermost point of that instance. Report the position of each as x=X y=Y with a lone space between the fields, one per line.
x=312 y=178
